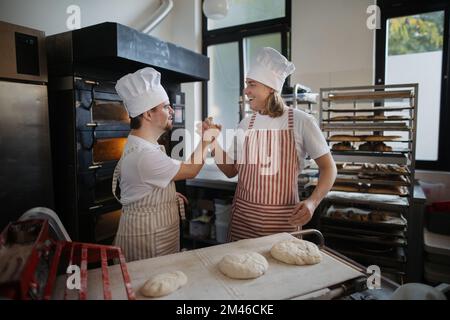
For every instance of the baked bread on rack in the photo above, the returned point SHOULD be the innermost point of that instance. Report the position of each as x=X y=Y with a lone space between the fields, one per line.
x=375 y=146
x=342 y=146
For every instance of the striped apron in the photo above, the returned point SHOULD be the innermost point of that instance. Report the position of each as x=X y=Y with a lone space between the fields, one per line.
x=267 y=191
x=148 y=227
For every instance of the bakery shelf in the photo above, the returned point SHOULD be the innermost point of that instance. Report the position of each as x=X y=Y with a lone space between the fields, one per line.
x=347 y=115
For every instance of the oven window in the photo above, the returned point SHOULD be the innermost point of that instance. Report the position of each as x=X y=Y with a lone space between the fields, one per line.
x=104 y=110
x=108 y=149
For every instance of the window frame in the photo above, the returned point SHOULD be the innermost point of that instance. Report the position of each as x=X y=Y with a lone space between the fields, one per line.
x=237 y=34
x=397 y=8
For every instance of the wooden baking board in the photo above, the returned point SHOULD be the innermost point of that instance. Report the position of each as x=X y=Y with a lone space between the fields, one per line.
x=205 y=281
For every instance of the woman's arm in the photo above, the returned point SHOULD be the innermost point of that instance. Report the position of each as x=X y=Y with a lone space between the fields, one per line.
x=225 y=163
x=304 y=211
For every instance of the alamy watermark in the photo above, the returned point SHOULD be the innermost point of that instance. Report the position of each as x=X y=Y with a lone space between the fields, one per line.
x=374 y=20
x=74 y=19
x=256 y=147
x=374 y=280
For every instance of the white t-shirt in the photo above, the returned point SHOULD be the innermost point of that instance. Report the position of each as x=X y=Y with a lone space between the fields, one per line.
x=143 y=170
x=309 y=139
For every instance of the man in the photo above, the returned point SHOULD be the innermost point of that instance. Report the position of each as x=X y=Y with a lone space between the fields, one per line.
x=149 y=225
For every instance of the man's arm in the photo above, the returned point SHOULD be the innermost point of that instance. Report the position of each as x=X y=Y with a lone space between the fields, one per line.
x=189 y=169
x=304 y=211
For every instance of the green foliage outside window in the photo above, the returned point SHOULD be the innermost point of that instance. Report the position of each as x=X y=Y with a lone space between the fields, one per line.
x=417 y=33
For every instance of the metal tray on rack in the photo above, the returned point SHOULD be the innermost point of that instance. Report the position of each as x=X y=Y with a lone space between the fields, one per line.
x=377 y=169
x=346 y=178
x=370 y=157
x=394 y=221
x=368 y=96
x=364 y=239
x=368 y=126
x=374 y=109
x=365 y=118
x=380 y=201
x=362 y=231
x=401 y=191
x=395 y=258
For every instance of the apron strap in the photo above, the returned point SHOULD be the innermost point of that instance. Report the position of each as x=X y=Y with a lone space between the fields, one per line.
x=252 y=121
x=116 y=174
x=116 y=177
x=291 y=119
x=181 y=209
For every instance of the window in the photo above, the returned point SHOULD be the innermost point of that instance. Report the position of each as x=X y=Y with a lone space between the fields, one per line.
x=231 y=43
x=411 y=47
x=245 y=12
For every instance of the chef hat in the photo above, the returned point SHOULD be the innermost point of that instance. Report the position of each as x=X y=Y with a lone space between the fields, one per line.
x=270 y=68
x=141 y=91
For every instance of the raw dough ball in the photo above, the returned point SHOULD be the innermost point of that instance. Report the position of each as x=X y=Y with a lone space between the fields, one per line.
x=243 y=266
x=296 y=251
x=164 y=284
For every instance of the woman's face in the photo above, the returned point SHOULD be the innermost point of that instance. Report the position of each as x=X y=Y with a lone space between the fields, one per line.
x=257 y=94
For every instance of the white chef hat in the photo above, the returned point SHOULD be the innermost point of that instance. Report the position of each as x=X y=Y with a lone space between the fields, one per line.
x=270 y=68
x=141 y=91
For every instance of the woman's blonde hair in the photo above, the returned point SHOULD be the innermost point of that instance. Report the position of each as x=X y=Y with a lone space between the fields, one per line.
x=274 y=105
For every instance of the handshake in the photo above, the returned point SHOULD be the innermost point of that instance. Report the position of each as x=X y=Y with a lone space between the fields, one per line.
x=208 y=130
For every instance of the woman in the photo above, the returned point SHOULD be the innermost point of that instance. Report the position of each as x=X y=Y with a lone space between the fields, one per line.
x=270 y=156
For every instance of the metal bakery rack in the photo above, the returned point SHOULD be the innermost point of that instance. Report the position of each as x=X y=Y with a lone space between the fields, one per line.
x=372 y=134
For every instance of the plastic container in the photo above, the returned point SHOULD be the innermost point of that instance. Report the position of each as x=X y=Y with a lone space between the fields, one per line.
x=222 y=211
x=221 y=231
x=435 y=192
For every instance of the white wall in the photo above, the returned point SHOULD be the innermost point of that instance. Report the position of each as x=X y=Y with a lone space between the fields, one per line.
x=331 y=44
x=187 y=32
x=50 y=15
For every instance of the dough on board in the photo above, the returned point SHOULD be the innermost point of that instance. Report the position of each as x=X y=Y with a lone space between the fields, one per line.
x=296 y=251
x=164 y=284
x=243 y=265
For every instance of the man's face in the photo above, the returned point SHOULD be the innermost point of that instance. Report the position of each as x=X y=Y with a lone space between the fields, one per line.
x=163 y=116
